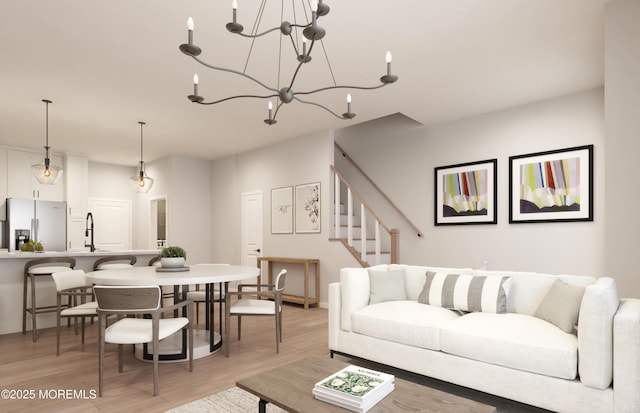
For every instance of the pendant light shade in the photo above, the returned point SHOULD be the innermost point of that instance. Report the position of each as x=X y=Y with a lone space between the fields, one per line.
x=141 y=182
x=45 y=172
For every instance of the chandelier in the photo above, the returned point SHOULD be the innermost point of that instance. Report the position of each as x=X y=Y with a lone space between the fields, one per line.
x=310 y=31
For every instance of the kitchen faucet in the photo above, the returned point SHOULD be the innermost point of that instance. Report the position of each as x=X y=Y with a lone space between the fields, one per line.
x=91 y=246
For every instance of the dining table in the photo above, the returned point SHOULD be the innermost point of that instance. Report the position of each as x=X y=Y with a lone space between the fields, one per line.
x=206 y=341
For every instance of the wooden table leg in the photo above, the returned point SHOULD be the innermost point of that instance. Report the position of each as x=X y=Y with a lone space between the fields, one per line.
x=262 y=406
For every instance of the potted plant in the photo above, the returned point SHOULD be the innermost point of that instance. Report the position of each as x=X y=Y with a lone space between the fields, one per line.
x=172 y=257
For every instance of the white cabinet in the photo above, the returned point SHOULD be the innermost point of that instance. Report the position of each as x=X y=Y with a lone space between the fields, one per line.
x=77 y=184
x=3 y=184
x=22 y=184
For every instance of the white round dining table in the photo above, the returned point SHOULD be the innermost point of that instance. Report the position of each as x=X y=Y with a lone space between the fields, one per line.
x=174 y=348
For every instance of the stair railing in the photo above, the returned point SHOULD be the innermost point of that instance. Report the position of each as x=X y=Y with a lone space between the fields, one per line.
x=378 y=225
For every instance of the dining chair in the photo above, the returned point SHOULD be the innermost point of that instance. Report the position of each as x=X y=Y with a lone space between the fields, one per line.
x=37 y=269
x=266 y=300
x=73 y=286
x=199 y=295
x=114 y=262
x=133 y=301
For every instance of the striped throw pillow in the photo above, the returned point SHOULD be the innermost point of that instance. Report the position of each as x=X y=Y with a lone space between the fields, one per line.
x=466 y=292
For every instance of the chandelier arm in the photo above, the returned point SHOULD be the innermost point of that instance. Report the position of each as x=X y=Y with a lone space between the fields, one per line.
x=320 y=106
x=253 y=36
x=237 y=97
x=224 y=69
x=342 y=87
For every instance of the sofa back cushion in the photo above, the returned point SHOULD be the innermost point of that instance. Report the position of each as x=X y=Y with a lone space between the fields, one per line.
x=528 y=289
x=465 y=292
x=595 y=333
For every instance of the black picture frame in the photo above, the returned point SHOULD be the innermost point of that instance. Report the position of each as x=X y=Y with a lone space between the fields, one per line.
x=466 y=193
x=551 y=186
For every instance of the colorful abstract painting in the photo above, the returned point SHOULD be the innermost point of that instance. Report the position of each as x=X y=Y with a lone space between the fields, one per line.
x=552 y=186
x=465 y=193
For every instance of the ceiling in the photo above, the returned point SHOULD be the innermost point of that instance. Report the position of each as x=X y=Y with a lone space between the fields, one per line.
x=108 y=64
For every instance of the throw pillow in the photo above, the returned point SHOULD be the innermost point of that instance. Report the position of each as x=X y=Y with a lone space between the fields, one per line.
x=561 y=305
x=466 y=292
x=386 y=286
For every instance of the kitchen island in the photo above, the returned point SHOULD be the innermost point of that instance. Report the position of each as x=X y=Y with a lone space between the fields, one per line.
x=12 y=277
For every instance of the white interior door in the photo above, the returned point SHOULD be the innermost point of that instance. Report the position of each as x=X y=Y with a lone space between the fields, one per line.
x=251 y=227
x=112 y=223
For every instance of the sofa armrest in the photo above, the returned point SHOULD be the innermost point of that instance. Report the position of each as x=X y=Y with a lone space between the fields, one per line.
x=626 y=356
x=354 y=286
x=335 y=309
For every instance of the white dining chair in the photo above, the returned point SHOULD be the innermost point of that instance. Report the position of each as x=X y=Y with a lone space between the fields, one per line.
x=72 y=287
x=264 y=300
x=138 y=300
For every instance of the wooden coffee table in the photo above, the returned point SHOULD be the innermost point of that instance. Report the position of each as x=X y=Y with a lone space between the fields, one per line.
x=289 y=387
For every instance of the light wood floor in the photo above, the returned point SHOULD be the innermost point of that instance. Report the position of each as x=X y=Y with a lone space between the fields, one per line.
x=26 y=366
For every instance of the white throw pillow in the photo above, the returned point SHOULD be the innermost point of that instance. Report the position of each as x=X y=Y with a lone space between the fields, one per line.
x=561 y=305
x=386 y=286
x=466 y=292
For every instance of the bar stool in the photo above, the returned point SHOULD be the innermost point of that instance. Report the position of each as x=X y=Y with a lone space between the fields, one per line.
x=37 y=268
x=114 y=262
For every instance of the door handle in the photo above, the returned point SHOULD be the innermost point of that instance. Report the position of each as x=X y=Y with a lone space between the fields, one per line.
x=258 y=250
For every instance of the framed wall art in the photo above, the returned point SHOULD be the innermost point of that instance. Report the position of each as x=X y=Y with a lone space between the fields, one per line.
x=282 y=210
x=307 y=205
x=466 y=193
x=551 y=186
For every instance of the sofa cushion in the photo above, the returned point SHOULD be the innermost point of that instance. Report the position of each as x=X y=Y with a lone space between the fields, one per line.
x=465 y=292
x=405 y=322
x=561 y=305
x=414 y=280
x=595 y=333
x=512 y=340
x=386 y=286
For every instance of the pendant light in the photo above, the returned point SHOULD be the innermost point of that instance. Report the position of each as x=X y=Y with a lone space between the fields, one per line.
x=46 y=173
x=141 y=181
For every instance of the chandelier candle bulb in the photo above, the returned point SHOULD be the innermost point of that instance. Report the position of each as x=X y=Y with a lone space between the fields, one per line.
x=349 y=103
x=388 y=60
x=195 y=85
x=270 y=110
x=234 y=6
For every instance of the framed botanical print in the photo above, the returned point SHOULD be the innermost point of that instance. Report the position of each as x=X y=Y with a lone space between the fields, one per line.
x=282 y=210
x=308 y=208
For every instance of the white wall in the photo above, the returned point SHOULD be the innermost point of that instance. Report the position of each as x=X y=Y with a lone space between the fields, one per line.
x=186 y=182
x=403 y=166
x=622 y=120
x=298 y=161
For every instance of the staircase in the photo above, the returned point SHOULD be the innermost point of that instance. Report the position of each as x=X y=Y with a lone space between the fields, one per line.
x=359 y=229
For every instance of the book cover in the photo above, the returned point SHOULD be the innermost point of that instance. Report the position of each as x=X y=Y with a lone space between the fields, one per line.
x=355 y=383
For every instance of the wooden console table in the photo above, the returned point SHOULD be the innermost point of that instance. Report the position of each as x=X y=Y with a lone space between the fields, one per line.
x=305 y=299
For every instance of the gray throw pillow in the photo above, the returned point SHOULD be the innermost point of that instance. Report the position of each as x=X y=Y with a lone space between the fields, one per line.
x=386 y=286
x=561 y=305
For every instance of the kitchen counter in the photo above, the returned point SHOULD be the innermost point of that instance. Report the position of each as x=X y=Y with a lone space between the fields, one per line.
x=12 y=278
x=74 y=254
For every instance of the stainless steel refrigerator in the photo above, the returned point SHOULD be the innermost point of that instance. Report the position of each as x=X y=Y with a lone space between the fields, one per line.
x=44 y=221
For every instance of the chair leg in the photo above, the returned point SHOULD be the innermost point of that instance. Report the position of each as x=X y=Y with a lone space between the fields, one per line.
x=33 y=308
x=226 y=342
x=103 y=322
x=82 y=328
x=277 y=333
x=120 y=358
x=58 y=326
x=24 y=304
x=239 y=326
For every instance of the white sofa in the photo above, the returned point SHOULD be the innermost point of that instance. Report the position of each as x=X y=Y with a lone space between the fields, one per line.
x=521 y=354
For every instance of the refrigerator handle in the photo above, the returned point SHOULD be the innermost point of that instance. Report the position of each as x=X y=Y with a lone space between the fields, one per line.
x=34 y=229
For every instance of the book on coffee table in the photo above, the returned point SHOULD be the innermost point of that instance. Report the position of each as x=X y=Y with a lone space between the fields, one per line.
x=354 y=388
